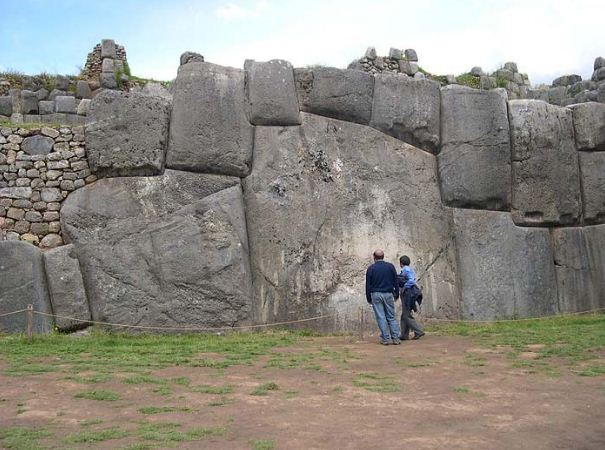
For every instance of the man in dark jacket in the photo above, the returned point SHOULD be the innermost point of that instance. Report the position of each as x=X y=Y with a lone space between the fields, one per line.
x=381 y=292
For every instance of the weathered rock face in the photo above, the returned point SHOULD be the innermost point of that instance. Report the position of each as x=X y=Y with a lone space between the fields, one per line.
x=169 y=250
x=126 y=134
x=407 y=109
x=209 y=129
x=504 y=270
x=474 y=162
x=579 y=254
x=270 y=93
x=22 y=282
x=321 y=197
x=66 y=287
x=546 y=180
x=589 y=125
x=592 y=171
x=341 y=94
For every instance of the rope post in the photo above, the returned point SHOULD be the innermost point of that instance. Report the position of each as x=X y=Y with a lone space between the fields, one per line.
x=361 y=324
x=30 y=321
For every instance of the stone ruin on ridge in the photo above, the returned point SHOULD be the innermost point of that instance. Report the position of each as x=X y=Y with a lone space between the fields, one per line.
x=255 y=196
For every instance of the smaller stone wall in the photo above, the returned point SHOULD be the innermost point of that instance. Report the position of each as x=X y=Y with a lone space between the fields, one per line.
x=39 y=167
x=398 y=61
x=107 y=65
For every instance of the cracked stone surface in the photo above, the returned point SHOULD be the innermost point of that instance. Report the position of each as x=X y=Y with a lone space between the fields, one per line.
x=338 y=93
x=22 y=282
x=169 y=250
x=545 y=173
x=321 y=197
x=505 y=271
x=209 y=128
x=579 y=254
x=474 y=162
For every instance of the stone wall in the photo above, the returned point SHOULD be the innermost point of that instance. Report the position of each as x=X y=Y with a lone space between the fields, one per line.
x=564 y=90
x=64 y=99
x=257 y=196
x=39 y=167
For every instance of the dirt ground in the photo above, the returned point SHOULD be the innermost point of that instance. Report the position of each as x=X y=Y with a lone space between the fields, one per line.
x=335 y=393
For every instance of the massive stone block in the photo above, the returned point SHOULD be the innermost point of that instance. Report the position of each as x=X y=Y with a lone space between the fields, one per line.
x=504 y=270
x=168 y=250
x=589 y=125
x=341 y=94
x=580 y=265
x=271 y=93
x=545 y=173
x=126 y=134
x=407 y=109
x=22 y=282
x=209 y=129
x=474 y=162
x=320 y=199
x=592 y=171
x=66 y=287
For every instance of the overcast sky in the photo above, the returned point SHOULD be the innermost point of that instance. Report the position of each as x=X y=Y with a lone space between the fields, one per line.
x=547 y=38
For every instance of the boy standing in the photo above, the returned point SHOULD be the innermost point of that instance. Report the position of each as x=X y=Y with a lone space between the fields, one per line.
x=411 y=292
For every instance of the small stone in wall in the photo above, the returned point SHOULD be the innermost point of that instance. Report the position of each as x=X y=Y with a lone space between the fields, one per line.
x=31 y=238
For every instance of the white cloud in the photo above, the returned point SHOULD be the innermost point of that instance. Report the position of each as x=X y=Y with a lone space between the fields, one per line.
x=232 y=11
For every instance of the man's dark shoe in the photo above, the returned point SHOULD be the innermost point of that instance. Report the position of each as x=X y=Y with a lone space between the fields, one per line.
x=404 y=338
x=383 y=342
x=417 y=336
x=396 y=342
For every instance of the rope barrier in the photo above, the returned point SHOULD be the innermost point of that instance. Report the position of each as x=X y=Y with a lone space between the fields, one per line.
x=14 y=312
x=150 y=327
x=525 y=319
x=274 y=324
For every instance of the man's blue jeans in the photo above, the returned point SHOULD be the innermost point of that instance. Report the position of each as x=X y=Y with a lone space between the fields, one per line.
x=383 y=305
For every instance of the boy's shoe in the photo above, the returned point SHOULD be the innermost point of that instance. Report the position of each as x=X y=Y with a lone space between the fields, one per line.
x=396 y=342
x=404 y=338
x=383 y=342
x=417 y=336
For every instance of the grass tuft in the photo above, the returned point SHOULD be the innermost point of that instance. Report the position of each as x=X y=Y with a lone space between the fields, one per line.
x=101 y=395
x=264 y=389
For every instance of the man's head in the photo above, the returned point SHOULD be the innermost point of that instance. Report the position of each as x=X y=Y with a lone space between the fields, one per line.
x=404 y=260
x=378 y=255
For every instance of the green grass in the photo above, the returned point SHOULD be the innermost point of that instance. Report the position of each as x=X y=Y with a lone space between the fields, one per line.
x=101 y=395
x=376 y=382
x=92 y=436
x=219 y=390
x=161 y=409
x=467 y=79
x=182 y=381
x=576 y=340
x=21 y=438
x=462 y=389
x=118 y=353
x=90 y=422
x=169 y=432
x=163 y=390
x=264 y=389
x=473 y=360
x=141 y=379
x=29 y=125
x=263 y=444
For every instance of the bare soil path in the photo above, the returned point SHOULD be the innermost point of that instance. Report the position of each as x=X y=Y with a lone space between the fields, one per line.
x=320 y=393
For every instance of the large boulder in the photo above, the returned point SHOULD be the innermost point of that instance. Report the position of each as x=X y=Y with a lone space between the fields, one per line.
x=580 y=265
x=592 y=170
x=126 y=134
x=407 y=109
x=271 y=93
x=589 y=125
x=22 y=282
x=168 y=250
x=505 y=271
x=545 y=172
x=209 y=128
x=66 y=288
x=338 y=93
x=474 y=162
x=320 y=198
x=37 y=145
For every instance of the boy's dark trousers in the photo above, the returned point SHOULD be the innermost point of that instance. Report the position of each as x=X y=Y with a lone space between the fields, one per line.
x=407 y=320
